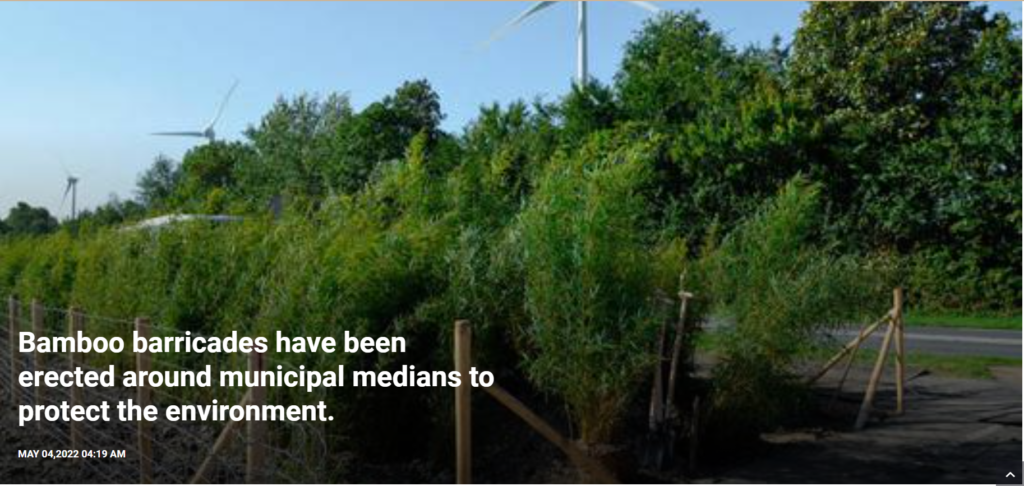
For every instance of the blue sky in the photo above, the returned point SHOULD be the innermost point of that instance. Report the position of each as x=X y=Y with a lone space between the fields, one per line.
x=82 y=84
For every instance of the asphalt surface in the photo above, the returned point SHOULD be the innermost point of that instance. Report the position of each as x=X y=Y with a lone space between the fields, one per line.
x=954 y=431
x=932 y=340
x=950 y=341
x=989 y=343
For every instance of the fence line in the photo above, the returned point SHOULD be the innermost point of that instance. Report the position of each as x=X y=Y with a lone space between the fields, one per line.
x=161 y=450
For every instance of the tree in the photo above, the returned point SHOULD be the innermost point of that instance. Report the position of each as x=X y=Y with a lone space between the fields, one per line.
x=210 y=168
x=586 y=110
x=890 y=60
x=24 y=219
x=922 y=121
x=508 y=147
x=676 y=69
x=113 y=212
x=735 y=130
x=293 y=145
x=157 y=185
x=382 y=132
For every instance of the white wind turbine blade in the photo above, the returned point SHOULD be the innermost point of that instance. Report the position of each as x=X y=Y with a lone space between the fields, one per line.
x=179 y=134
x=648 y=6
x=512 y=24
x=223 y=103
x=64 y=200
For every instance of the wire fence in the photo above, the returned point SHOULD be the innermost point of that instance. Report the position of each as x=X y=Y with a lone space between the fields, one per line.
x=162 y=450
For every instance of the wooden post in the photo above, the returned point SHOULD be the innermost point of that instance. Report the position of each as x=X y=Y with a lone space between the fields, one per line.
x=463 y=414
x=256 y=430
x=897 y=319
x=75 y=325
x=144 y=396
x=13 y=327
x=876 y=375
x=37 y=329
x=677 y=347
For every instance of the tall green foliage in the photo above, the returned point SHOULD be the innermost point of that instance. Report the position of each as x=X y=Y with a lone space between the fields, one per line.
x=783 y=290
x=589 y=284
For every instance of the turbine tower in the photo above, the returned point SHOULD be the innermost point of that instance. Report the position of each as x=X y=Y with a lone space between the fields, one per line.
x=582 y=73
x=72 y=188
x=207 y=132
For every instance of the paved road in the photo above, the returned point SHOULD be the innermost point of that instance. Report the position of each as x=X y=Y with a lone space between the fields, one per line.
x=936 y=340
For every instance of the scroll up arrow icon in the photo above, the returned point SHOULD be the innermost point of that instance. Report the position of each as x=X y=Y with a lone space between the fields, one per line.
x=1010 y=475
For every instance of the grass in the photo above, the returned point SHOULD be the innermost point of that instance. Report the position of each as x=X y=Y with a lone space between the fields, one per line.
x=1012 y=323
x=950 y=366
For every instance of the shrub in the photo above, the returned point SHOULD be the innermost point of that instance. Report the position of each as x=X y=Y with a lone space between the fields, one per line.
x=49 y=272
x=783 y=291
x=15 y=255
x=589 y=285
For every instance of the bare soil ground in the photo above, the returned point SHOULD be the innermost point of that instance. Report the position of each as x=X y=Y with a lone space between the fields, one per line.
x=953 y=431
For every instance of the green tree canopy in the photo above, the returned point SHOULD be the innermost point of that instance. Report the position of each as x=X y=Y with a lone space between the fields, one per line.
x=158 y=183
x=24 y=219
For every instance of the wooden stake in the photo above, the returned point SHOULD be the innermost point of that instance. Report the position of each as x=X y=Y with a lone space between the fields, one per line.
x=876 y=375
x=37 y=329
x=861 y=336
x=597 y=471
x=677 y=347
x=143 y=395
x=226 y=434
x=850 y=346
x=75 y=325
x=13 y=327
x=897 y=319
x=463 y=414
x=257 y=430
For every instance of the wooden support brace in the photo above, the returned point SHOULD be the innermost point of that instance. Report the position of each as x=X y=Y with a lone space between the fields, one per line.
x=850 y=346
x=597 y=471
x=876 y=375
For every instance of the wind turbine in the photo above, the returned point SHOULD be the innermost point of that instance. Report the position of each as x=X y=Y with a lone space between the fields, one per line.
x=581 y=30
x=72 y=188
x=207 y=132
